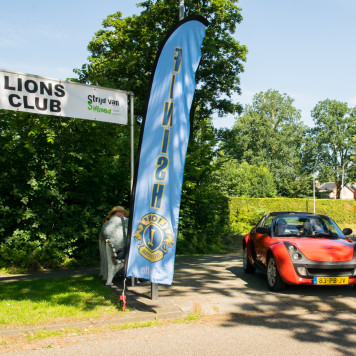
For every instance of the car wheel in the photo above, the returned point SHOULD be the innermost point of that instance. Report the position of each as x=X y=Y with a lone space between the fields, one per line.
x=248 y=268
x=275 y=282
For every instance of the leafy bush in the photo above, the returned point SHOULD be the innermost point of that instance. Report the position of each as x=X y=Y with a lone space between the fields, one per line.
x=58 y=178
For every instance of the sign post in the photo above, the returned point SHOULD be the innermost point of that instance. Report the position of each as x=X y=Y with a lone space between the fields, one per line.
x=40 y=95
x=46 y=96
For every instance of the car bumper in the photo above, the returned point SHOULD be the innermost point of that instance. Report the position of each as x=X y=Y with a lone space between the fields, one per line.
x=309 y=273
x=305 y=271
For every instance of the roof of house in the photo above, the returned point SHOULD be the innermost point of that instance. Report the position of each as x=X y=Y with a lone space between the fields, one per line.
x=331 y=185
x=327 y=186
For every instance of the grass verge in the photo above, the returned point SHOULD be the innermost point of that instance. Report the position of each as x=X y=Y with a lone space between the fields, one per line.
x=64 y=332
x=41 y=301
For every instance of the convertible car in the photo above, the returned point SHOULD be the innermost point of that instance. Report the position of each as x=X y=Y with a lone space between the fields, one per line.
x=300 y=248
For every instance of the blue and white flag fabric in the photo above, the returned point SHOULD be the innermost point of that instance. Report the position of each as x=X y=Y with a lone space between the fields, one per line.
x=162 y=149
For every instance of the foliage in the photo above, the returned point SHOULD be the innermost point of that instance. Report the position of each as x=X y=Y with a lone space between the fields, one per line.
x=123 y=53
x=246 y=212
x=122 y=56
x=58 y=177
x=332 y=135
x=271 y=134
x=244 y=180
x=353 y=157
x=204 y=209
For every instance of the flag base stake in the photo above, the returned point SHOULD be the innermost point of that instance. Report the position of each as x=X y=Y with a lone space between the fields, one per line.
x=154 y=291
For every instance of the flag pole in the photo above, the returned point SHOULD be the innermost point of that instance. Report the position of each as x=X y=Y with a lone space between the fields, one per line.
x=154 y=286
x=132 y=154
x=132 y=144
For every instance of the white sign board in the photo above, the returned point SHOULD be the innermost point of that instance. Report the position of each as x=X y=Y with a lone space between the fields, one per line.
x=39 y=95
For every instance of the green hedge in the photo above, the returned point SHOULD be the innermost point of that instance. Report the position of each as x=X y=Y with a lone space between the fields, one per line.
x=246 y=212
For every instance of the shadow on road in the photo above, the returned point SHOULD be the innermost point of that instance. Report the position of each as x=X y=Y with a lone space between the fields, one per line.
x=337 y=330
x=311 y=314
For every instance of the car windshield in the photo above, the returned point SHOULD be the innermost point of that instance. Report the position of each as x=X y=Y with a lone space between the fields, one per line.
x=302 y=225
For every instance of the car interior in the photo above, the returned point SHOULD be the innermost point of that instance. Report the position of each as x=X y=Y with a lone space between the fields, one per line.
x=304 y=226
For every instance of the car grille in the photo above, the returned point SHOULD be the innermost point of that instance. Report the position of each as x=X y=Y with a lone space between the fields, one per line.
x=327 y=272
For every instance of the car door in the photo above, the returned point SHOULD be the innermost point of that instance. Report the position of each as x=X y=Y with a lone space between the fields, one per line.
x=260 y=241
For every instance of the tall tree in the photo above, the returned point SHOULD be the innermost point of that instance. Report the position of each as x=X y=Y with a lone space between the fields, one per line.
x=270 y=133
x=353 y=172
x=122 y=56
x=244 y=180
x=333 y=132
x=58 y=176
x=123 y=53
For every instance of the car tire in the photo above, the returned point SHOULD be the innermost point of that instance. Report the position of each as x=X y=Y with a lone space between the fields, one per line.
x=248 y=267
x=274 y=280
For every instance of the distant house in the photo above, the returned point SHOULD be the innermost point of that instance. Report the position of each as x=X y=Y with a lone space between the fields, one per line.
x=328 y=190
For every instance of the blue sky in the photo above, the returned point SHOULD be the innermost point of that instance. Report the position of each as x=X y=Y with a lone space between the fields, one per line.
x=304 y=48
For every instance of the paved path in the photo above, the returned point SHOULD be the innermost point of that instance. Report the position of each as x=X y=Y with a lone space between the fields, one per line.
x=282 y=334
x=216 y=285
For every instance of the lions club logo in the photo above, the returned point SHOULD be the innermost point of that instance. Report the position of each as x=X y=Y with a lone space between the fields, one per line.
x=154 y=236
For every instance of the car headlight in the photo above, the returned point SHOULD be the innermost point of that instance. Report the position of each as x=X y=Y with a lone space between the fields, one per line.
x=297 y=256
x=294 y=253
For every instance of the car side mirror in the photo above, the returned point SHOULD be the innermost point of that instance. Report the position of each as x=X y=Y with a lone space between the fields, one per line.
x=262 y=230
x=347 y=231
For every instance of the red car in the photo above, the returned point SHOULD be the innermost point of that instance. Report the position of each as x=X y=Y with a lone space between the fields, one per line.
x=300 y=248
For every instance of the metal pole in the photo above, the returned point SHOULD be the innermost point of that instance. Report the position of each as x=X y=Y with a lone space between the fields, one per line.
x=342 y=181
x=314 y=192
x=132 y=147
x=154 y=291
x=132 y=138
x=181 y=10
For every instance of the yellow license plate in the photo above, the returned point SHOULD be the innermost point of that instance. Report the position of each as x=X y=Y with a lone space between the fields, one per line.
x=331 y=280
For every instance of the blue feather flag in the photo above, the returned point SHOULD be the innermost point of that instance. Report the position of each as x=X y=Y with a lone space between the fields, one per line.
x=158 y=180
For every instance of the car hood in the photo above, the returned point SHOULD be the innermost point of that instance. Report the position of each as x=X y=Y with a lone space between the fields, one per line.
x=324 y=249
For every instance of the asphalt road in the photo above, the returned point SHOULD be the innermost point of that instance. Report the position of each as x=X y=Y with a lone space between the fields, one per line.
x=307 y=334
x=241 y=317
